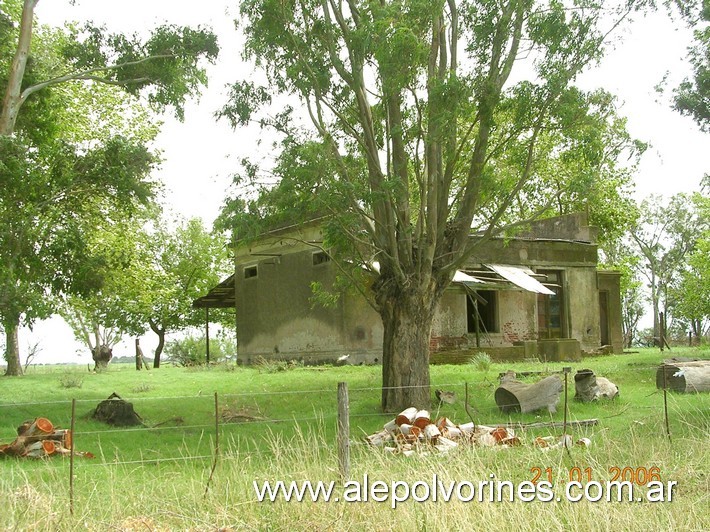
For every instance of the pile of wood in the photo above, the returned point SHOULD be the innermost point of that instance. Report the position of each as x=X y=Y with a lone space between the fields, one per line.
x=413 y=432
x=39 y=439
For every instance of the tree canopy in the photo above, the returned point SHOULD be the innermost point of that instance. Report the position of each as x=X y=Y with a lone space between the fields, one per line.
x=423 y=122
x=75 y=147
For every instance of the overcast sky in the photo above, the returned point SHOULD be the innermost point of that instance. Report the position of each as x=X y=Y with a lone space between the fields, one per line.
x=199 y=154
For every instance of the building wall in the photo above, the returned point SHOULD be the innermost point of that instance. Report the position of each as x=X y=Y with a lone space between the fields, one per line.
x=276 y=317
x=610 y=282
x=582 y=298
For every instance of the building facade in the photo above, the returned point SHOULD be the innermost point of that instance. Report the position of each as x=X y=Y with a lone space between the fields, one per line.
x=538 y=295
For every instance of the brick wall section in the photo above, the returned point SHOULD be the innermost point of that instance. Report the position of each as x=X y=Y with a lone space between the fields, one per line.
x=442 y=343
x=513 y=334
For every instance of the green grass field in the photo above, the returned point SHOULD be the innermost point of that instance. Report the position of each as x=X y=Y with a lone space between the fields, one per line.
x=155 y=477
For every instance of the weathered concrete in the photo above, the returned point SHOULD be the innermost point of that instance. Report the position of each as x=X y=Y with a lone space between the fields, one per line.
x=277 y=317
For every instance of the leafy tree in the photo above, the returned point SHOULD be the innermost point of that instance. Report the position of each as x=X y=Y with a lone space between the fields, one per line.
x=427 y=123
x=665 y=237
x=692 y=96
x=99 y=317
x=60 y=176
x=181 y=265
x=165 y=68
x=692 y=292
x=151 y=275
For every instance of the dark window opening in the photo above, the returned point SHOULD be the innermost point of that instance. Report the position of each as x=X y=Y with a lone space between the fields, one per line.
x=250 y=272
x=320 y=257
x=482 y=307
x=550 y=308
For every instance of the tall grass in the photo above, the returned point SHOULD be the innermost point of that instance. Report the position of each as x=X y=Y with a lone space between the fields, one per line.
x=154 y=477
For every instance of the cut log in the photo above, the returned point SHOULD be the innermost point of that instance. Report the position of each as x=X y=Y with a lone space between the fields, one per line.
x=585 y=385
x=606 y=389
x=589 y=387
x=685 y=377
x=515 y=396
x=445 y=397
x=115 y=411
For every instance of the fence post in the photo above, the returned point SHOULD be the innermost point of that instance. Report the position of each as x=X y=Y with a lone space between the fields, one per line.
x=216 y=442
x=71 y=458
x=343 y=431
x=566 y=370
x=665 y=403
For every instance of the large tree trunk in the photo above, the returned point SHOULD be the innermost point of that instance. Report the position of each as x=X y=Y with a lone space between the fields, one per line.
x=12 y=351
x=405 y=353
x=12 y=100
x=161 y=343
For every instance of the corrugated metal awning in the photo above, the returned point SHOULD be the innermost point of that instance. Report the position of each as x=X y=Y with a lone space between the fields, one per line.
x=521 y=277
x=221 y=296
x=461 y=277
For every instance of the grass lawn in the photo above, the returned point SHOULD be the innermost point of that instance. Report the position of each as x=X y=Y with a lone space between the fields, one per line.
x=154 y=477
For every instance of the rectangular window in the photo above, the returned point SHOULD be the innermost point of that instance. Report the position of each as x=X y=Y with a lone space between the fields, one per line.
x=550 y=308
x=482 y=311
x=320 y=257
x=250 y=272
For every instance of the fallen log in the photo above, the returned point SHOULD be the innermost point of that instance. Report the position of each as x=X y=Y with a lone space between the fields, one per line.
x=685 y=377
x=553 y=424
x=515 y=396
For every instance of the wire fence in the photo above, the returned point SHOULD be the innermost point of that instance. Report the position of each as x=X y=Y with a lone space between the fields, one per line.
x=204 y=428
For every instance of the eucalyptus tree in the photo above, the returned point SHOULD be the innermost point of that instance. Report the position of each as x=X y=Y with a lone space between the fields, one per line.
x=74 y=146
x=426 y=121
x=692 y=291
x=692 y=96
x=667 y=233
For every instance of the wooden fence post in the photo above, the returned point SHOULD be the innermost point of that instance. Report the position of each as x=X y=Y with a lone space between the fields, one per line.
x=216 y=442
x=71 y=458
x=343 y=431
x=665 y=405
x=566 y=370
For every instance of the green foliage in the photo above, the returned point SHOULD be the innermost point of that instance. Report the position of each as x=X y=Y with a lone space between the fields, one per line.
x=264 y=365
x=427 y=119
x=71 y=379
x=666 y=237
x=691 y=291
x=74 y=156
x=481 y=361
x=191 y=350
x=692 y=96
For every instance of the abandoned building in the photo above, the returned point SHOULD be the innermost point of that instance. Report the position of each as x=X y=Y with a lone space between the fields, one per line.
x=538 y=295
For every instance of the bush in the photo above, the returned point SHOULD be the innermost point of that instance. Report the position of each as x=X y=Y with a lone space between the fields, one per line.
x=274 y=366
x=190 y=350
x=481 y=361
x=71 y=380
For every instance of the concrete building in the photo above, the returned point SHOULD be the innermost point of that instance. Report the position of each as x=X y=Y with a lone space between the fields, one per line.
x=539 y=294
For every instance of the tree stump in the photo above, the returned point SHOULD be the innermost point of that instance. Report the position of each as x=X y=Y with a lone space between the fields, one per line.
x=685 y=377
x=115 y=411
x=589 y=387
x=515 y=396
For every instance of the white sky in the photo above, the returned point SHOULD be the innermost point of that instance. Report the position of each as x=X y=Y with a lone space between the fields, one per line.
x=199 y=154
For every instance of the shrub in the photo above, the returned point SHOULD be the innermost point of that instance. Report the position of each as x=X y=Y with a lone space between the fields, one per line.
x=481 y=361
x=71 y=380
x=190 y=350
